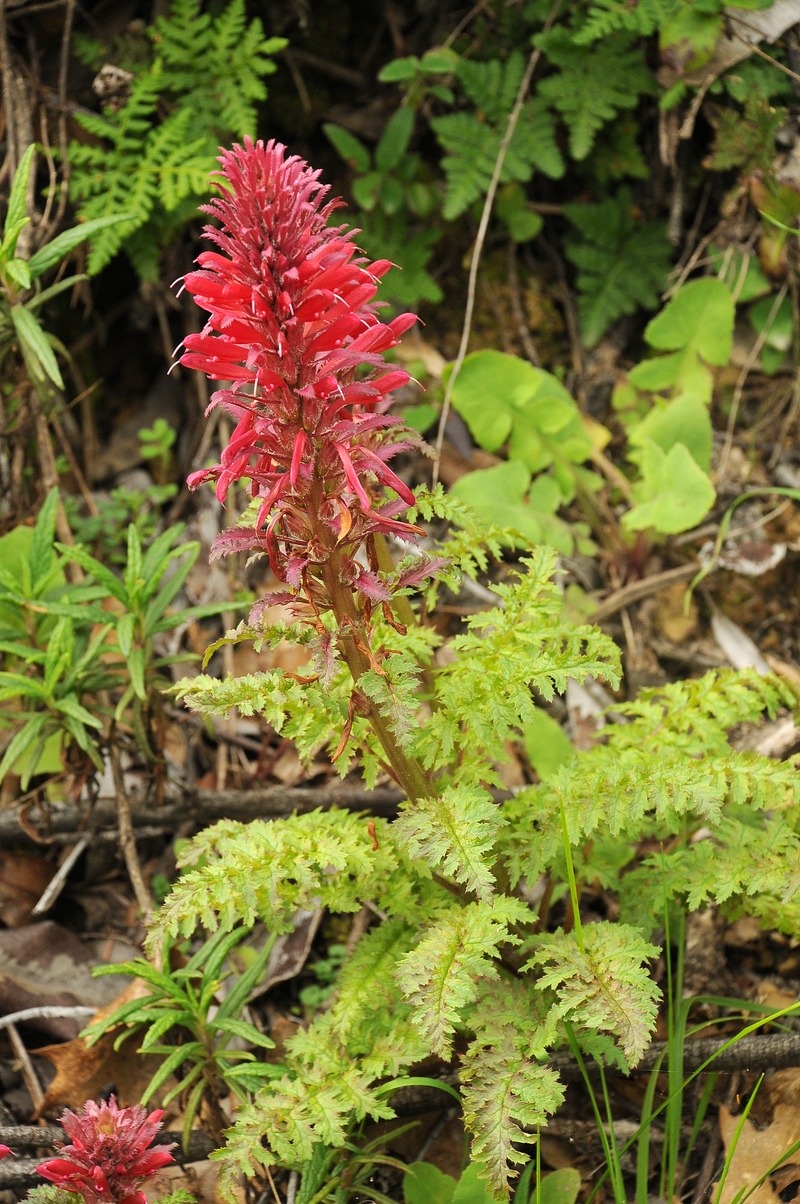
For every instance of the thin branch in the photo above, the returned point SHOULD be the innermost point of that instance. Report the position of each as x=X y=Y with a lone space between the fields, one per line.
x=747 y=368
x=47 y=1013
x=127 y=839
x=528 y=345
x=483 y=227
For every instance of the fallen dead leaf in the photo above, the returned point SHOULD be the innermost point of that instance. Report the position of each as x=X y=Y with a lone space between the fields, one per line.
x=83 y=1073
x=23 y=879
x=45 y=964
x=756 y=1152
x=671 y=617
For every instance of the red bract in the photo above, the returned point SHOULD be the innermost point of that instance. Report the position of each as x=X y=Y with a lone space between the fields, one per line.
x=292 y=325
x=109 y=1157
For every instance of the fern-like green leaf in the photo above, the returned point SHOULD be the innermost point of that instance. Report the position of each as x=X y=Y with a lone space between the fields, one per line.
x=593 y=84
x=472 y=140
x=612 y=16
x=485 y=694
x=622 y=262
x=604 y=986
x=504 y=1094
x=454 y=833
x=440 y=977
x=268 y=870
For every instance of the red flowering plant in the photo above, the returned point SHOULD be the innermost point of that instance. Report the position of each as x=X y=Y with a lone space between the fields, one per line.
x=294 y=334
x=110 y=1156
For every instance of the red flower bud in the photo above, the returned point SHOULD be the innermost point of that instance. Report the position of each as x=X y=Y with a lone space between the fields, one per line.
x=292 y=322
x=109 y=1156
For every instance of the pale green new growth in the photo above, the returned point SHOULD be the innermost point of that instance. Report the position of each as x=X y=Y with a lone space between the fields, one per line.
x=455 y=834
x=485 y=694
x=504 y=1094
x=268 y=869
x=440 y=977
x=604 y=986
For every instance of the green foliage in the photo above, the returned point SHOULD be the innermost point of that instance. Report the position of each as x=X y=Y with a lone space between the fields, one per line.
x=157 y=442
x=108 y=530
x=674 y=493
x=454 y=834
x=665 y=772
x=152 y=157
x=21 y=292
x=391 y=191
x=426 y=1184
x=506 y=401
x=51 y=657
x=189 y=998
x=622 y=261
x=592 y=85
x=610 y=16
x=484 y=695
x=440 y=976
x=267 y=870
x=60 y=648
x=471 y=140
x=505 y=1095
x=604 y=985
x=671 y=444
x=746 y=140
x=48 y=1193
x=150 y=583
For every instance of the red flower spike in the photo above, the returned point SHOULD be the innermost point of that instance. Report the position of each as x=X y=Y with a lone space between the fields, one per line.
x=5 y=1152
x=292 y=322
x=109 y=1157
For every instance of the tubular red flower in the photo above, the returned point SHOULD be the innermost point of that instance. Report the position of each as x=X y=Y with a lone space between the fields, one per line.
x=292 y=322
x=109 y=1157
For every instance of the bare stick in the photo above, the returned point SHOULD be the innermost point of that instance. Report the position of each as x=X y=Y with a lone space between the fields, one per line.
x=59 y=880
x=481 y=237
x=50 y=1012
x=524 y=333
x=26 y=1066
x=127 y=838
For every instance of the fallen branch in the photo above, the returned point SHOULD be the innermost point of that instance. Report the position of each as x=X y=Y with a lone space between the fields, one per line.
x=60 y=823
x=775 y=1051
x=21 y=1172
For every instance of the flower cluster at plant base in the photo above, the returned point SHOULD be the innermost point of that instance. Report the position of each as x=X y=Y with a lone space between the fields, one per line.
x=109 y=1157
x=293 y=325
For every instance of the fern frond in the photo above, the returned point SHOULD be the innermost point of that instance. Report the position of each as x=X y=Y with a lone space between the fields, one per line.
x=695 y=715
x=467 y=550
x=485 y=694
x=746 y=869
x=604 y=986
x=472 y=140
x=268 y=869
x=117 y=177
x=455 y=834
x=440 y=977
x=593 y=84
x=367 y=982
x=613 y=16
x=504 y=1094
x=622 y=262
x=327 y=1087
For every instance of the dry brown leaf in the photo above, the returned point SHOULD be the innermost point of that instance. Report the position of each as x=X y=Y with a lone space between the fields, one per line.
x=757 y=1150
x=23 y=879
x=83 y=1073
x=670 y=615
x=44 y=964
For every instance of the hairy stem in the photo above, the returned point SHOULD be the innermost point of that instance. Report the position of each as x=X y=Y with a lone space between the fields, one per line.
x=353 y=640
